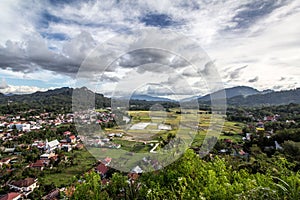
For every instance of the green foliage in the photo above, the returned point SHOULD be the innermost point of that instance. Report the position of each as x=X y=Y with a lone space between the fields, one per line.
x=90 y=188
x=194 y=178
x=292 y=149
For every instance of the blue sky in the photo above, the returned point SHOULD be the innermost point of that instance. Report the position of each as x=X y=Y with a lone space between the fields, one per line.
x=251 y=42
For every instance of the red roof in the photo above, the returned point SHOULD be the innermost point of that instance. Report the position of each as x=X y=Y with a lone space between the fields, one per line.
x=101 y=168
x=72 y=137
x=10 y=196
x=107 y=161
x=38 y=163
x=67 y=133
x=105 y=182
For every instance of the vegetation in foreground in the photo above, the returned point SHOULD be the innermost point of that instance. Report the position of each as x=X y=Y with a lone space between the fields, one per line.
x=193 y=178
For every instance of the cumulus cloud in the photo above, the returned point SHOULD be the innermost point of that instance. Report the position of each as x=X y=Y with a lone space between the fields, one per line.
x=145 y=56
x=12 y=89
x=3 y=84
x=34 y=54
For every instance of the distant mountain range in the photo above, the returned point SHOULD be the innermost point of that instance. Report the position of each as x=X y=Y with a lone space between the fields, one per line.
x=231 y=92
x=62 y=98
x=247 y=96
x=270 y=98
x=149 y=98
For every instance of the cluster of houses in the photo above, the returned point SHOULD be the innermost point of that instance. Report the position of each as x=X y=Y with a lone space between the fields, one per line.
x=90 y=116
x=20 y=189
x=48 y=149
x=102 y=141
x=10 y=125
x=259 y=131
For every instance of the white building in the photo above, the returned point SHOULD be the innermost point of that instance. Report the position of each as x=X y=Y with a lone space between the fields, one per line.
x=25 y=185
x=51 y=146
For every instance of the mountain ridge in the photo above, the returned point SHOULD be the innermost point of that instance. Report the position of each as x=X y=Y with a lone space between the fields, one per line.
x=61 y=98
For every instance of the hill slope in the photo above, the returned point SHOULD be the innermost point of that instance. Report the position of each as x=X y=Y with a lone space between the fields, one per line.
x=272 y=98
x=232 y=92
x=51 y=100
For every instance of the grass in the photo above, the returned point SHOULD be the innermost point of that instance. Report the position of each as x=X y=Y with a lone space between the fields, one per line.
x=83 y=162
x=234 y=129
x=121 y=159
x=188 y=120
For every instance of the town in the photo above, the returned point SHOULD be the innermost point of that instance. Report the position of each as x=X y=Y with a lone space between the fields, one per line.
x=43 y=156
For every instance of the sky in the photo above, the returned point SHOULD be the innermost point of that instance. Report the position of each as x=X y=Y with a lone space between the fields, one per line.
x=48 y=44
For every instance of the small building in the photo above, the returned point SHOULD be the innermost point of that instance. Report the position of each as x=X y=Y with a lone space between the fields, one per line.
x=39 y=164
x=47 y=156
x=25 y=185
x=106 y=161
x=11 y=196
x=26 y=127
x=51 y=146
x=9 y=150
x=66 y=133
x=71 y=139
x=66 y=147
x=119 y=134
x=101 y=169
x=137 y=170
x=111 y=135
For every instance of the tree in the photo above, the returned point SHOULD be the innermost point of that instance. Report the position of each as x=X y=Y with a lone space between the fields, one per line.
x=90 y=188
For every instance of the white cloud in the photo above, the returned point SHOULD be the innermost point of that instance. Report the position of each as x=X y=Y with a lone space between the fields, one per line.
x=266 y=41
x=12 y=89
x=3 y=84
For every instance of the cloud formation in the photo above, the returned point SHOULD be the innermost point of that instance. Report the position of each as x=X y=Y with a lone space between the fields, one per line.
x=55 y=37
x=3 y=84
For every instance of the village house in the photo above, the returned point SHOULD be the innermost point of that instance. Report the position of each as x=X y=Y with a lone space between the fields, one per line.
x=101 y=169
x=67 y=133
x=9 y=150
x=71 y=139
x=66 y=147
x=137 y=170
x=106 y=161
x=40 y=164
x=25 y=186
x=47 y=156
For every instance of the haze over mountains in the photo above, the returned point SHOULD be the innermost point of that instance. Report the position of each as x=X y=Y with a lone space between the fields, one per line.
x=240 y=95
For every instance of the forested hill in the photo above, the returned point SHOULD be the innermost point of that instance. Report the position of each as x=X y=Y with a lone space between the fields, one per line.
x=232 y=92
x=51 y=100
x=271 y=98
x=60 y=100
